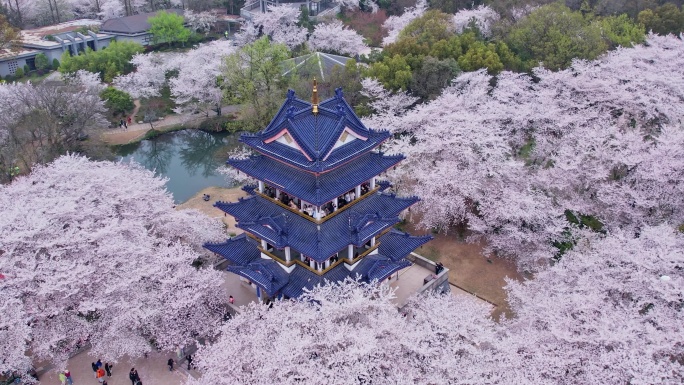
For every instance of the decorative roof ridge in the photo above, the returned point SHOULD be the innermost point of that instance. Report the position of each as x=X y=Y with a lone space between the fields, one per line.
x=237 y=238
x=407 y=235
x=241 y=199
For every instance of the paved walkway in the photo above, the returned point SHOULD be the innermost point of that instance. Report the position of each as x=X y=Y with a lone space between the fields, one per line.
x=135 y=130
x=152 y=370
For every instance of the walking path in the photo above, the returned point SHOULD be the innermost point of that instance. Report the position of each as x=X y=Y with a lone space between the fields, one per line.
x=136 y=131
x=152 y=370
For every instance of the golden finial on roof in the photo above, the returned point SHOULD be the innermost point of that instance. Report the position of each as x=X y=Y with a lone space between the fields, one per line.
x=314 y=98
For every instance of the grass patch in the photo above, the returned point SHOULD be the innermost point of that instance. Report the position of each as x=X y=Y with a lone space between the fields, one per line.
x=429 y=252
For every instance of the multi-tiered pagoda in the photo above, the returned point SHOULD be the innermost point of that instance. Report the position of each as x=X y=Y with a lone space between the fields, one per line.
x=319 y=212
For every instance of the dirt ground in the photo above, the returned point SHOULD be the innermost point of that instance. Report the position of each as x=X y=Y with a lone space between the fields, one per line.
x=207 y=207
x=470 y=270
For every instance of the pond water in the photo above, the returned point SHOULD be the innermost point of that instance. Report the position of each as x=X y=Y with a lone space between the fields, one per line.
x=188 y=158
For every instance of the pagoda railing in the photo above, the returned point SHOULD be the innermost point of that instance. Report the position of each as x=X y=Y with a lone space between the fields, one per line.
x=325 y=218
x=297 y=261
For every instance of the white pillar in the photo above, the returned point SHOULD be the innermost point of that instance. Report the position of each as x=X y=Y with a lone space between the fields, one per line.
x=350 y=252
x=319 y=266
x=372 y=241
x=336 y=203
x=261 y=187
x=263 y=245
x=372 y=183
x=302 y=258
x=287 y=253
x=358 y=191
x=277 y=194
x=312 y=263
x=327 y=263
x=318 y=213
x=301 y=204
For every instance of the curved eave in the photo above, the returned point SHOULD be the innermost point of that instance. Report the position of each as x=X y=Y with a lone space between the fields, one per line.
x=337 y=158
x=315 y=190
x=397 y=245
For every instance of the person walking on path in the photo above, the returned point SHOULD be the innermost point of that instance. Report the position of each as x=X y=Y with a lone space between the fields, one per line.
x=100 y=374
x=129 y=120
x=67 y=374
x=189 y=359
x=108 y=369
x=94 y=366
x=133 y=376
x=170 y=364
x=70 y=381
x=62 y=378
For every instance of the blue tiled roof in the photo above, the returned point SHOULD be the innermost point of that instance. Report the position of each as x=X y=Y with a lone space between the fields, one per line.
x=281 y=227
x=309 y=187
x=316 y=135
x=397 y=245
x=264 y=272
x=301 y=278
x=240 y=250
x=378 y=267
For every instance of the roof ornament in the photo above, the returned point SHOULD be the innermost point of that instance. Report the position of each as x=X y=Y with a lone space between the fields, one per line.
x=290 y=94
x=314 y=98
x=339 y=94
x=290 y=112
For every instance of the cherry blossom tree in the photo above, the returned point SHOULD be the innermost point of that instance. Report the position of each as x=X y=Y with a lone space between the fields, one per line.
x=483 y=17
x=389 y=109
x=96 y=249
x=280 y=24
x=354 y=4
x=149 y=76
x=40 y=122
x=352 y=333
x=600 y=139
x=609 y=312
x=394 y=24
x=197 y=87
x=200 y=21
x=337 y=38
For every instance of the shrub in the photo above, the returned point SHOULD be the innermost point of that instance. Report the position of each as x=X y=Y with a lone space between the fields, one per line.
x=19 y=73
x=42 y=62
x=118 y=102
x=55 y=64
x=26 y=69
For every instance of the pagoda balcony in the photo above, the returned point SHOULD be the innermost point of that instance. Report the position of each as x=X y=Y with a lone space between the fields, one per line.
x=325 y=212
x=350 y=255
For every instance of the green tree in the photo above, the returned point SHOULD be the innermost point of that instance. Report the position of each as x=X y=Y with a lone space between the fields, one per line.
x=622 y=31
x=554 y=35
x=109 y=62
x=42 y=62
x=167 y=27
x=429 y=28
x=433 y=76
x=663 y=20
x=118 y=102
x=393 y=72
x=253 y=77
x=480 y=55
